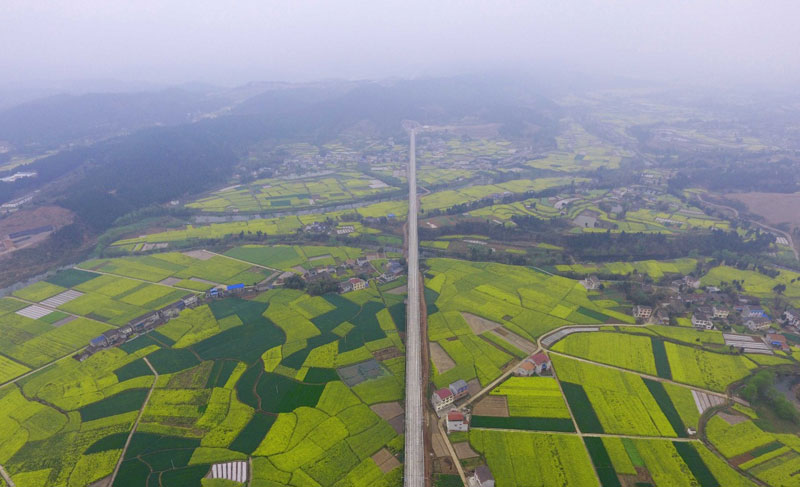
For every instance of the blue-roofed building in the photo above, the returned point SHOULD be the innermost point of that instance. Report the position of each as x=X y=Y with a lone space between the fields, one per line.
x=235 y=286
x=459 y=388
x=98 y=342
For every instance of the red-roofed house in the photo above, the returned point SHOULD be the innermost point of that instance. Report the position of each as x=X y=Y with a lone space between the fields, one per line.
x=541 y=361
x=525 y=369
x=456 y=421
x=535 y=364
x=442 y=398
x=358 y=283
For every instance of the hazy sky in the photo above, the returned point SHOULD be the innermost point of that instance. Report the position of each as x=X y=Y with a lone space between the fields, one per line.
x=235 y=41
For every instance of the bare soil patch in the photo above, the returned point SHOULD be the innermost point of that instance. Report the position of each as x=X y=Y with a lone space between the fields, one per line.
x=398 y=423
x=732 y=419
x=386 y=354
x=439 y=448
x=170 y=281
x=398 y=290
x=387 y=410
x=441 y=360
x=473 y=386
x=320 y=257
x=463 y=450
x=199 y=254
x=776 y=208
x=514 y=339
x=385 y=460
x=492 y=406
x=479 y=325
x=28 y=219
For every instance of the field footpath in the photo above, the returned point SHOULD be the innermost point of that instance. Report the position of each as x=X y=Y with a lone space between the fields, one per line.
x=136 y=423
x=48 y=364
x=244 y=262
x=8 y=480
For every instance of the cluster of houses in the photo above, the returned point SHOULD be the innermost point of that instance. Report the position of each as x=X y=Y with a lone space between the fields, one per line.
x=139 y=326
x=444 y=397
x=154 y=319
x=361 y=265
x=708 y=308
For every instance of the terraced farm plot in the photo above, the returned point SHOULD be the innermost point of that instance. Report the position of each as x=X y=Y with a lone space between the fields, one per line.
x=450 y=198
x=264 y=195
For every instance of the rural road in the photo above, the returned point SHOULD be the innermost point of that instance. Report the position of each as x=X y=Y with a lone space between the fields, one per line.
x=6 y=477
x=415 y=448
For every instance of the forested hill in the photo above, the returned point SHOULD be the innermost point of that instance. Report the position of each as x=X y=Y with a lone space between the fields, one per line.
x=157 y=164
x=51 y=122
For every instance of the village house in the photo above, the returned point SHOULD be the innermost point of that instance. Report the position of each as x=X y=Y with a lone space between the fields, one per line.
x=459 y=389
x=535 y=364
x=358 y=283
x=753 y=312
x=757 y=323
x=442 y=398
x=691 y=282
x=591 y=283
x=541 y=361
x=642 y=312
x=702 y=320
x=525 y=369
x=720 y=312
x=481 y=478
x=778 y=341
x=791 y=317
x=661 y=316
x=456 y=421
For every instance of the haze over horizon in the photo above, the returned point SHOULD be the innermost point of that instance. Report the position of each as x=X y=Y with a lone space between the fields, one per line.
x=180 y=41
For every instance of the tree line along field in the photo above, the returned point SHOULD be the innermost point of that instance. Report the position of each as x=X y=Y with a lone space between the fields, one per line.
x=656 y=269
x=237 y=380
x=519 y=300
x=280 y=194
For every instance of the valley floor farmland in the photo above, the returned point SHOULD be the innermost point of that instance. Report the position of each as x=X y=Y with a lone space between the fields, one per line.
x=293 y=385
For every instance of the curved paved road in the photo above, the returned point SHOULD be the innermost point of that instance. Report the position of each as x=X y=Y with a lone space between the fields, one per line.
x=415 y=447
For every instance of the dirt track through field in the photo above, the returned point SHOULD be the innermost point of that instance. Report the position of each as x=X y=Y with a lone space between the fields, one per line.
x=136 y=423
